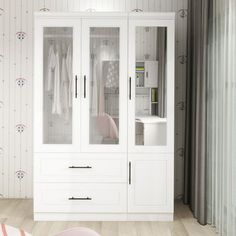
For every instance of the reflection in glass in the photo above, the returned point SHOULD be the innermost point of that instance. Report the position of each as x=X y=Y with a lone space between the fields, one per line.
x=150 y=81
x=57 y=85
x=104 y=86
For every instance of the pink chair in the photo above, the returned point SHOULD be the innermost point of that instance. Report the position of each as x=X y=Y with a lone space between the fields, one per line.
x=107 y=126
x=80 y=231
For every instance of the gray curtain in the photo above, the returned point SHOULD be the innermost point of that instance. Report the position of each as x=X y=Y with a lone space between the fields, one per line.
x=161 y=58
x=196 y=113
x=221 y=125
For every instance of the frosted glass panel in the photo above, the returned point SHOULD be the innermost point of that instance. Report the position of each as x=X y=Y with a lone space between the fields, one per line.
x=57 y=85
x=104 y=86
x=150 y=86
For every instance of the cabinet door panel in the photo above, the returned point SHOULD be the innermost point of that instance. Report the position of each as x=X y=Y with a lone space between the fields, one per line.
x=57 y=50
x=104 y=116
x=151 y=72
x=150 y=188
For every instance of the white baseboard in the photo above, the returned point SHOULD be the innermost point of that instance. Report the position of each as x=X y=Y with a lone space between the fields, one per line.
x=102 y=217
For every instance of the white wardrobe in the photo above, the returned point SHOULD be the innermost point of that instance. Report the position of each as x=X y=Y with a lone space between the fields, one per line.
x=104 y=116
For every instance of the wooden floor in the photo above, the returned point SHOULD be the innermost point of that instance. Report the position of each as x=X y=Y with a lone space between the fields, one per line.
x=18 y=213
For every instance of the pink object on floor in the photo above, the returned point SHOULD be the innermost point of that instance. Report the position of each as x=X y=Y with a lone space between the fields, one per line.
x=7 y=230
x=80 y=231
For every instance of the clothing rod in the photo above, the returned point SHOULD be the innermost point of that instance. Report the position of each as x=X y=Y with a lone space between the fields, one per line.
x=57 y=36
x=70 y=36
x=103 y=36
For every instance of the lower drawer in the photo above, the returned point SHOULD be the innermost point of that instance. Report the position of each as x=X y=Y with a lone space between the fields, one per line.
x=79 y=198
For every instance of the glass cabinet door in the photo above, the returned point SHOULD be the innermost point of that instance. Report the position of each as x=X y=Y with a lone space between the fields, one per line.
x=104 y=86
x=104 y=102
x=57 y=85
x=151 y=87
x=57 y=64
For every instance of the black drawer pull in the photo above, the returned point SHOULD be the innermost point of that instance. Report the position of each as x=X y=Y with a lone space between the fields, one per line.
x=80 y=198
x=80 y=167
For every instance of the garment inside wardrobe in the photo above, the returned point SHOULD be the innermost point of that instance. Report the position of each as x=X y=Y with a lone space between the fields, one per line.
x=104 y=85
x=57 y=105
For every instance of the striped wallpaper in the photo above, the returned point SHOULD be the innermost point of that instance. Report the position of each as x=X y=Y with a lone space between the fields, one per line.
x=16 y=76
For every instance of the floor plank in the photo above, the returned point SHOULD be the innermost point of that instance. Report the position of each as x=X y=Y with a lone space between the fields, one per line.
x=19 y=213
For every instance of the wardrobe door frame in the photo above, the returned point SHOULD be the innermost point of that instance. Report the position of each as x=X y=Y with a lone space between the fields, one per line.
x=152 y=20
x=42 y=21
x=104 y=20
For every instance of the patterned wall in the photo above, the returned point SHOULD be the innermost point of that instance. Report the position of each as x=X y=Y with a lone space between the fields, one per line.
x=16 y=75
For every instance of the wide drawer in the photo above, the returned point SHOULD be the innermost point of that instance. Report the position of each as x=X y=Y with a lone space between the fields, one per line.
x=75 y=168
x=79 y=198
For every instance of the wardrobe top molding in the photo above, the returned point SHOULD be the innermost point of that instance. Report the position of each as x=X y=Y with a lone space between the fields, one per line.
x=86 y=15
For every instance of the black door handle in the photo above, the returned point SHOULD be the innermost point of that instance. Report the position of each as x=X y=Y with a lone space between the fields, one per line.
x=129 y=88
x=80 y=198
x=84 y=86
x=76 y=89
x=80 y=167
x=129 y=172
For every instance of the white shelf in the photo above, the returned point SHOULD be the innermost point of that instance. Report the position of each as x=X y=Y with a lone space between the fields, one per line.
x=150 y=119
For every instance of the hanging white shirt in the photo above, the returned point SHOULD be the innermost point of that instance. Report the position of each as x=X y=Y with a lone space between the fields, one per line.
x=56 y=106
x=65 y=93
x=70 y=73
x=51 y=67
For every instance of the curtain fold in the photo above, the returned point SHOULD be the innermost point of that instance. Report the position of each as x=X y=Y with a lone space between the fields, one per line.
x=210 y=147
x=196 y=112
x=221 y=125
